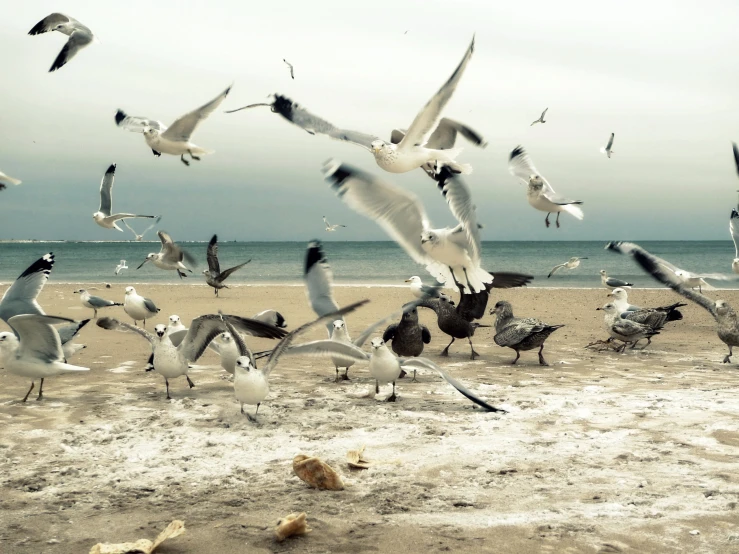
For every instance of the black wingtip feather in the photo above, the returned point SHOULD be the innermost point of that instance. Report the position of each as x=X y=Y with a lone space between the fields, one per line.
x=111 y=169
x=734 y=214
x=37 y=29
x=44 y=264
x=517 y=151
x=283 y=106
x=213 y=240
x=280 y=320
x=313 y=255
x=120 y=115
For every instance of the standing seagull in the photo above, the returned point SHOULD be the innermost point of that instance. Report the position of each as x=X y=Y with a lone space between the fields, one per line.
x=520 y=333
x=625 y=330
x=540 y=193
x=607 y=148
x=408 y=336
x=94 y=302
x=572 y=263
x=37 y=351
x=79 y=36
x=411 y=152
x=6 y=180
x=292 y=72
x=121 y=266
x=174 y=140
x=734 y=229
x=213 y=275
x=103 y=217
x=330 y=227
x=170 y=257
x=541 y=118
x=138 y=307
x=137 y=237
x=612 y=282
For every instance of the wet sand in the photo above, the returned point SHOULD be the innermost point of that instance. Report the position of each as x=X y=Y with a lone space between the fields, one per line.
x=600 y=452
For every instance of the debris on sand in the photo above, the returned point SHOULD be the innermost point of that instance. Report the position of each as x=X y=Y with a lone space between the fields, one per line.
x=291 y=525
x=142 y=546
x=317 y=473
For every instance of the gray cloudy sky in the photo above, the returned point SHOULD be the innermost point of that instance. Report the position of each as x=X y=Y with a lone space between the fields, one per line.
x=660 y=74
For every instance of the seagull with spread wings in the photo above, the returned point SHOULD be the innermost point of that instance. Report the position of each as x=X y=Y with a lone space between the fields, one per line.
x=330 y=227
x=541 y=118
x=213 y=275
x=170 y=257
x=292 y=70
x=540 y=193
x=572 y=263
x=79 y=36
x=412 y=151
x=319 y=280
x=103 y=216
x=6 y=180
x=174 y=140
x=451 y=255
x=607 y=148
x=137 y=237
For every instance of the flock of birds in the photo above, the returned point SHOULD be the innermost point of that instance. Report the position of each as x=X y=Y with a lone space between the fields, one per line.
x=37 y=349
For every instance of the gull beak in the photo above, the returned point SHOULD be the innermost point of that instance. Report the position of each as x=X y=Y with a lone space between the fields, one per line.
x=609 y=294
x=596 y=309
x=142 y=263
x=407 y=280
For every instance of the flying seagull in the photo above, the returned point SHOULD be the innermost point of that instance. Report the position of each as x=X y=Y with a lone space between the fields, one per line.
x=137 y=237
x=572 y=263
x=612 y=282
x=607 y=148
x=174 y=140
x=541 y=118
x=121 y=266
x=292 y=72
x=213 y=275
x=6 y=180
x=734 y=229
x=170 y=257
x=451 y=255
x=319 y=279
x=103 y=217
x=411 y=152
x=330 y=227
x=79 y=36
x=694 y=280
x=540 y=193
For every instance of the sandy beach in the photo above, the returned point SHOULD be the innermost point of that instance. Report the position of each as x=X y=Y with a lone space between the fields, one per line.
x=600 y=452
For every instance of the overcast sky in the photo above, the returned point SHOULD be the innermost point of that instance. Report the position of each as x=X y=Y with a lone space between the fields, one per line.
x=660 y=74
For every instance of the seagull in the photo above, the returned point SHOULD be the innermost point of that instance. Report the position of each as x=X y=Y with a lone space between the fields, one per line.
x=6 y=180
x=37 y=351
x=449 y=254
x=330 y=227
x=572 y=263
x=625 y=330
x=607 y=148
x=727 y=324
x=408 y=336
x=621 y=301
x=79 y=36
x=94 y=302
x=138 y=307
x=173 y=361
x=318 y=279
x=411 y=152
x=541 y=118
x=694 y=280
x=540 y=193
x=420 y=290
x=273 y=317
x=452 y=322
x=292 y=72
x=174 y=140
x=137 y=237
x=120 y=267
x=612 y=282
x=734 y=229
x=213 y=275
x=170 y=257
x=520 y=333
x=174 y=326
x=103 y=217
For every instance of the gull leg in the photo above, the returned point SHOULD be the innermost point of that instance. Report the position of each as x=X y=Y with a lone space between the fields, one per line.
x=33 y=384
x=345 y=376
x=557 y=222
x=542 y=361
x=377 y=387
x=445 y=352
x=95 y=315
x=189 y=381
x=337 y=374
x=473 y=354
x=40 y=390
x=167 y=384
x=414 y=377
x=518 y=355
x=183 y=160
x=546 y=220
x=253 y=418
x=727 y=359
x=242 y=408
x=216 y=290
x=392 y=397
x=193 y=156
x=466 y=278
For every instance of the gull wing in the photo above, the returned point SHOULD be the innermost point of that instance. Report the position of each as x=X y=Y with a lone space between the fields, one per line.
x=459 y=198
x=213 y=266
x=610 y=141
x=183 y=128
x=555 y=269
x=20 y=298
x=171 y=251
x=516 y=331
x=68 y=332
x=79 y=38
x=659 y=269
x=202 y=331
x=397 y=211
x=38 y=339
x=106 y=191
x=8 y=179
x=521 y=166
x=227 y=272
x=319 y=282
x=137 y=124
x=367 y=333
x=445 y=135
x=49 y=22
x=428 y=118
x=244 y=350
x=736 y=155
x=734 y=229
x=113 y=324
x=339 y=351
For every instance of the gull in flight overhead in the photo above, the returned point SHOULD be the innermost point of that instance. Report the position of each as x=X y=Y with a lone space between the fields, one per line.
x=607 y=148
x=137 y=237
x=213 y=275
x=79 y=36
x=449 y=254
x=103 y=217
x=174 y=140
x=572 y=263
x=541 y=118
x=330 y=227
x=170 y=257
x=6 y=180
x=540 y=193
x=292 y=72
x=121 y=266
x=411 y=152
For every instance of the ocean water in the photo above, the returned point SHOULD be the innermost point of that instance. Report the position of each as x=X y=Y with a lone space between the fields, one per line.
x=358 y=262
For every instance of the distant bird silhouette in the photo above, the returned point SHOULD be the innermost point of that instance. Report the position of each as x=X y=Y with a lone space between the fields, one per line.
x=541 y=118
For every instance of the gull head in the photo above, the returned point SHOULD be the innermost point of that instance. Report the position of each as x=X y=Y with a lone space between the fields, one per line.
x=416 y=280
x=339 y=324
x=536 y=181
x=377 y=146
x=98 y=216
x=150 y=132
x=174 y=319
x=618 y=294
x=160 y=330
x=609 y=308
x=79 y=291
x=446 y=298
x=130 y=291
x=206 y=272
x=149 y=257
x=244 y=362
x=429 y=236
x=502 y=308
x=603 y=273
x=8 y=340
x=377 y=343
x=226 y=338
x=722 y=307
x=411 y=314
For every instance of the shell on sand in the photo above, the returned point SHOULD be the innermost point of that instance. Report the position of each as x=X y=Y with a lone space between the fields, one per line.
x=355 y=460
x=317 y=473
x=141 y=546
x=293 y=524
